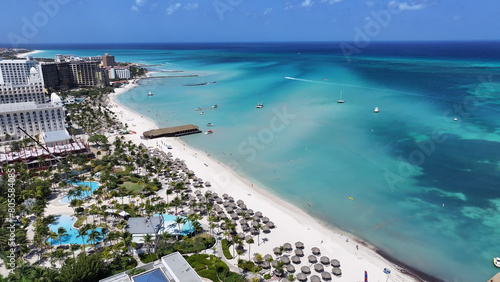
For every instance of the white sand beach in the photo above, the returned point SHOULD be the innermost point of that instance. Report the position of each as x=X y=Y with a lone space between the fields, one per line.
x=292 y=224
x=24 y=55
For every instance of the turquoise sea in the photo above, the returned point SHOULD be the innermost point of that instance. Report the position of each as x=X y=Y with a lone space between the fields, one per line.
x=425 y=187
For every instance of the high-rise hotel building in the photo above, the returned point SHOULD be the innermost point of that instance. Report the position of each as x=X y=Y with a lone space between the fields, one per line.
x=22 y=101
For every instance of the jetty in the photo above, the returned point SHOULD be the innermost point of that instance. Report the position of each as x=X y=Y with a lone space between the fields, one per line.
x=175 y=131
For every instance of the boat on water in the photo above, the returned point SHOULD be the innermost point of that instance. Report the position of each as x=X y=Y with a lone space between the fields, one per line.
x=210 y=124
x=214 y=106
x=376 y=110
x=197 y=109
x=202 y=113
x=496 y=261
x=259 y=104
x=350 y=198
x=340 y=101
x=209 y=132
x=150 y=93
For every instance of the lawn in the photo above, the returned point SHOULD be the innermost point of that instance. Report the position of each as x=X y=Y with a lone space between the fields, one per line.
x=134 y=188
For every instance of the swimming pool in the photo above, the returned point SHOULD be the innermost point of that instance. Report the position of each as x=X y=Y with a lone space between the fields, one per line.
x=67 y=221
x=171 y=227
x=93 y=185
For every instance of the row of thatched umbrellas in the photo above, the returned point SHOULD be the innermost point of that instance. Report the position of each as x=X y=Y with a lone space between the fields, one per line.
x=224 y=207
x=305 y=270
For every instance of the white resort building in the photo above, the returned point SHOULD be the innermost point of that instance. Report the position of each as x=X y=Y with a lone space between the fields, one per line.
x=23 y=103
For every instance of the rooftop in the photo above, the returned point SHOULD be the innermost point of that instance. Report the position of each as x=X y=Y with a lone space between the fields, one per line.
x=172 y=131
x=144 y=225
x=54 y=136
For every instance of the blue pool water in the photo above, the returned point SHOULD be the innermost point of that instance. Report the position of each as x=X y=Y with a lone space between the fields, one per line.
x=91 y=184
x=67 y=222
x=171 y=227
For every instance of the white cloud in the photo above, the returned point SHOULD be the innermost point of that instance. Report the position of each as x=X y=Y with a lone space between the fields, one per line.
x=370 y=3
x=172 y=8
x=306 y=3
x=138 y=3
x=410 y=5
x=288 y=6
x=331 y=2
x=191 y=6
x=268 y=11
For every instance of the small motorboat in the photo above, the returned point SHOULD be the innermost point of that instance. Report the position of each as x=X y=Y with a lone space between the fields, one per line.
x=209 y=132
x=259 y=106
x=376 y=110
x=455 y=119
x=150 y=93
x=202 y=113
x=210 y=124
x=496 y=261
x=214 y=106
x=340 y=101
x=350 y=198
x=198 y=109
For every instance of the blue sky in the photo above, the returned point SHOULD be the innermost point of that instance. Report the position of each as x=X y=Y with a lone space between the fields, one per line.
x=115 y=21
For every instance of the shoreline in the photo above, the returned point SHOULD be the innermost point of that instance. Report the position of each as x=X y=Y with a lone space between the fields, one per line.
x=24 y=55
x=293 y=224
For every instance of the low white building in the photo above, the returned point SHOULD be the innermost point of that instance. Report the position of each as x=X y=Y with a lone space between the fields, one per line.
x=119 y=72
x=35 y=119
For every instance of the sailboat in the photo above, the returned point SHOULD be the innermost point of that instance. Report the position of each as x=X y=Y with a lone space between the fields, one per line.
x=340 y=99
x=259 y=105
x=150 y=93
x=376 y=110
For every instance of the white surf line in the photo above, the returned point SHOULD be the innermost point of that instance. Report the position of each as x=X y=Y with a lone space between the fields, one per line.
x=350 y=85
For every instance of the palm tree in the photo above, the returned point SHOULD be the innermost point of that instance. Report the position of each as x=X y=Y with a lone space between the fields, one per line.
x=94 y=236
x=147 y=241
x=53 y=235
x=249 y=242
x=180 y=220
x=82 y=232
x=61 y=232
x=74 y=248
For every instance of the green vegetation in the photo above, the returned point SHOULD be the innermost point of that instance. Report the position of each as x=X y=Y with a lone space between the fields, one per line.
x=187 y=245
x=249 y=266
x=79 y=222
x=84 y=268
x=136 y=271
x=225 y=249
x=146 y=258
x=136 y=71
x=213 y=268
x=133 y=188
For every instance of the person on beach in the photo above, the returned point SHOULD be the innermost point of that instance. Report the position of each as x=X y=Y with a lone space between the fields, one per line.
x=357 y=247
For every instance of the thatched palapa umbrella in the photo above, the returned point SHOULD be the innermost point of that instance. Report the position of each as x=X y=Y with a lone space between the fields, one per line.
x=299 y=245
x=315 y=278
x=277 y=251
x=258 y=214
x=319 y=267
x=324 y=260
x=299 y=252
x=316 y=251
x=266 y=265
x=326 y=276
x=265 y=219
x=290 y=268
x=296 y=259
x=287 y=246
x=336 y=271
x=265 y=228
x=285 y=259
x=335 y=263
x=312 y=259
x=270 y=224
x=301 y=277
x=305 y=269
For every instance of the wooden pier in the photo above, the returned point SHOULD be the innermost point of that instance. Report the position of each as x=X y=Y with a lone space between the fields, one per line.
x=172 y=131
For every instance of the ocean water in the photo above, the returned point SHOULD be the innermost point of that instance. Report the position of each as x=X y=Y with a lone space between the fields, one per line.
x=425 y=187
